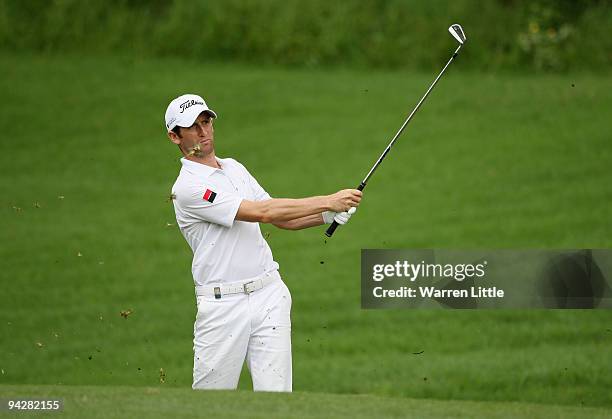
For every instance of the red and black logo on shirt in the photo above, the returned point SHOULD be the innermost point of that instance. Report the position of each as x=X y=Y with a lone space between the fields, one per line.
x=209 y=195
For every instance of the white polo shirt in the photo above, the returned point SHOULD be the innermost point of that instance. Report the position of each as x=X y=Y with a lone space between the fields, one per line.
x=206 y=201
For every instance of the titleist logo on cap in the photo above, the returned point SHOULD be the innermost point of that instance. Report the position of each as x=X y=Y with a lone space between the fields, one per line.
x=189 y=103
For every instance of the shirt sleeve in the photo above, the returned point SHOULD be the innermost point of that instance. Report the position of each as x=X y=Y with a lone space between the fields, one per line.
x=207 y=203
x=259 y=192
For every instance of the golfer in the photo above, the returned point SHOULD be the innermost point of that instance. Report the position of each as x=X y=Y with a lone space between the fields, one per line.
x=243 y=306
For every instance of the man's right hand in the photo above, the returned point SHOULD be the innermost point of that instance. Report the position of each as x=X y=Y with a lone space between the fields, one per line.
x=345 y=199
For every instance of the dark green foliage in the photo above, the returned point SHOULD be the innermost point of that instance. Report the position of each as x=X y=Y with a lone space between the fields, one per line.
x=511 y=34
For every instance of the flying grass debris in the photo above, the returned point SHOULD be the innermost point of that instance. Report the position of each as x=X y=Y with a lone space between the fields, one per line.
x=126 y=313
x=196 y=151
x=162 y=376
x=39 y=344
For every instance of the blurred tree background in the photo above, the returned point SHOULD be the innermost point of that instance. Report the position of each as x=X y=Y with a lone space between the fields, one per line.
x=528 y=35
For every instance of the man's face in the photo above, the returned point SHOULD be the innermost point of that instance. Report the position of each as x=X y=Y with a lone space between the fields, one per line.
x=198 y=139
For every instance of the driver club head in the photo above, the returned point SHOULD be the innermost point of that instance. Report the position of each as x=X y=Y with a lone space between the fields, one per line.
x=457 y=31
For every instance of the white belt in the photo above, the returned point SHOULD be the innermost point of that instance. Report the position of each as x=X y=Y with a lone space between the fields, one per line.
x=243 y=287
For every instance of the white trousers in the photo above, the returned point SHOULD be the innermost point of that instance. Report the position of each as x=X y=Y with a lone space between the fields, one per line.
x=255 y=327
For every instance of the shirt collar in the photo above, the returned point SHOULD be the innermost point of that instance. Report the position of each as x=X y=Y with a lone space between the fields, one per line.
x=199 y=168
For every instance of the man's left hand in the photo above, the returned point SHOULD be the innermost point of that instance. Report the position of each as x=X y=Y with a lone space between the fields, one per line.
x=339 y=217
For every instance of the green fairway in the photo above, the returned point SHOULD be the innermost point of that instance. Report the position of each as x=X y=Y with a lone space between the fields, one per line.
x=155 y=402
x=490 y=161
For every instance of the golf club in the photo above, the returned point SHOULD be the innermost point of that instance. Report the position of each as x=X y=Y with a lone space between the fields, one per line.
x=457 y=31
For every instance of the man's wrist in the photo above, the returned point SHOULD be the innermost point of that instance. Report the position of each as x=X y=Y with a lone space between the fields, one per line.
x=325 y=203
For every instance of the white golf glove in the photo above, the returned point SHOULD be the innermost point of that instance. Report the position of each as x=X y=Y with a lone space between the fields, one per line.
x=339 y=217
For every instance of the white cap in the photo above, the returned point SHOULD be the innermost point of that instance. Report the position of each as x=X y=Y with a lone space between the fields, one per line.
x=184 y=110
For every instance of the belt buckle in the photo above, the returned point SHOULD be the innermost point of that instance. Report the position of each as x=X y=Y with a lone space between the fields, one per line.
x=246 y=289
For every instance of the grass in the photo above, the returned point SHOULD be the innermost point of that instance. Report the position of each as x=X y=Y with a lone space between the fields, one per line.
x=158 y=402
x=491 y=161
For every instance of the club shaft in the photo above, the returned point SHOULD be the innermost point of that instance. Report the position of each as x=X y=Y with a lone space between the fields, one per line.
x=416 y=108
